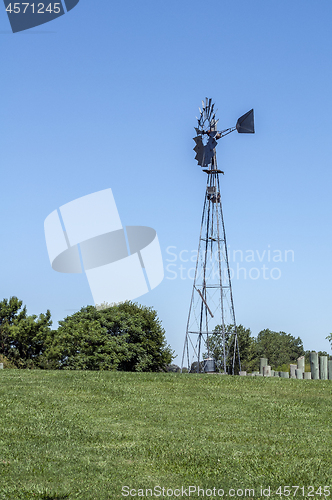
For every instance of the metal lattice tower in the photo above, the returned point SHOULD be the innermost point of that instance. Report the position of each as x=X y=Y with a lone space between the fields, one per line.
x=212 y=303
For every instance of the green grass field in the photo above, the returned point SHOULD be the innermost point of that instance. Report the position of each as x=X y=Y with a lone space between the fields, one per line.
x=85 y=435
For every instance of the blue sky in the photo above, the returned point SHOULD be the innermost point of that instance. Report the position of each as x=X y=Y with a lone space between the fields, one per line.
x=106 y=97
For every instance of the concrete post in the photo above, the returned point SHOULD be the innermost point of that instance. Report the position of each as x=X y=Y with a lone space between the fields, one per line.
x=284 y=374
x=299 y=373
x=301 y=363
x=267 y=371
x=314 y=365
x=323 y=367
x=307 y=375
x=292 y=369
x=330 y=369
x=262 y=362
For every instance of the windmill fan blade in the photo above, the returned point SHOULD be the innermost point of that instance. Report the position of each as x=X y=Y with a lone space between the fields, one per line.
x=198 y=140
x=200 y=158
x=245 y=124
x=209 y=151
x=214 y=124
x=199 y=150
x=204 y=154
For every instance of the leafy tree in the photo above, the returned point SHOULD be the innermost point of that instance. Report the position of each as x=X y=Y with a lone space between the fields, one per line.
x=320 y=353
x=23 y=338
x=6 y=363
x=126 y=337
x=329 y=338
x=279 y=348
x=216 y=347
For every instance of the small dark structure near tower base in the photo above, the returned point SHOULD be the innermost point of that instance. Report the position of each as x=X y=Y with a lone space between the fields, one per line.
x=212 y=299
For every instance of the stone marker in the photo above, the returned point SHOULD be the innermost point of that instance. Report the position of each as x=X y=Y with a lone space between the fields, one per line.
x=1 y=366
x=307 y=375
x=314 y=365
x=292 y=369
x=262 y=362
x=330 y=369
x=301 y=363
x=284 y=374
x=276 y=374
x=323 y=367
x=299 y=373
x=243 y=374
x=267 y=371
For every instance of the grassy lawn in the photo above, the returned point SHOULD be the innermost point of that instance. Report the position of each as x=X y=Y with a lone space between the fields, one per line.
x=85 y=435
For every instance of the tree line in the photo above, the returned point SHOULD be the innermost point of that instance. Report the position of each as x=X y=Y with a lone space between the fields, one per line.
x=123 y=337
x=279 y=348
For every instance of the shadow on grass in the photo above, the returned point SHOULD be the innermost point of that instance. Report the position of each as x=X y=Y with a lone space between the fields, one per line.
x=46 y=495
x=50 y=496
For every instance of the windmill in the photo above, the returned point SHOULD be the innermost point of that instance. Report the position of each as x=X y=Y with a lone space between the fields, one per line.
x=211 y=306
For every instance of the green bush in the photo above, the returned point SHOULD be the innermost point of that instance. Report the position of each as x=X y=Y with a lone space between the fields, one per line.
x=123 y=337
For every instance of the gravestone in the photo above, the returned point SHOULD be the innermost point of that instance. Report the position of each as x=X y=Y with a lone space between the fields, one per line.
x=284 y=374
x=301 y=363
x=1 y=366
x=292 y=369
x=330 y=369
x=307 y=375
x=323 y=367
x=267 y=371
x=314 y=368
x=243 y=374
x=262 y=362
x=299 y=373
